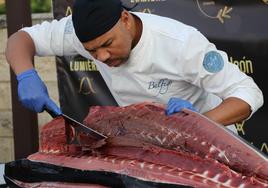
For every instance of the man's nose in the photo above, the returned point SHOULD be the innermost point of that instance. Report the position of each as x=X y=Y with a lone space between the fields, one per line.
x=102 y=55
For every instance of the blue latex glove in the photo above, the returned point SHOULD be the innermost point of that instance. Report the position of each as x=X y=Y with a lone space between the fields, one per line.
x=33 y=93
x=176 y=105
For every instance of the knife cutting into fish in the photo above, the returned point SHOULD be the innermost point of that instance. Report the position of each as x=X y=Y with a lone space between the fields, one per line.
x=78 y=127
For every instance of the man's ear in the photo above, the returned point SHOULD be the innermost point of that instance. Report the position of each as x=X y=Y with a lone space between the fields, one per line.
x=126 y=19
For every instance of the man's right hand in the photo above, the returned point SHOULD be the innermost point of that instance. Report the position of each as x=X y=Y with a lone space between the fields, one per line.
x=33 y=93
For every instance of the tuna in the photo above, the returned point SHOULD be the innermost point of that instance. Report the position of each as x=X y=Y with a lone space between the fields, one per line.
x=188 y=131
x=182 y=150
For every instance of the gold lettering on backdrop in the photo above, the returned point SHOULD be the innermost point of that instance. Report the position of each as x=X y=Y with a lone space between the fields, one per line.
x=145 y=1
x=245 y=65
x=68 y=11
x=264 y=148
x=87 y=65
x=86 y=86
x=240 y=127
x=208 y=9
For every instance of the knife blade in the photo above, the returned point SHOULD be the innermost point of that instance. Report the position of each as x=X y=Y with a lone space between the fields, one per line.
x=79 y=127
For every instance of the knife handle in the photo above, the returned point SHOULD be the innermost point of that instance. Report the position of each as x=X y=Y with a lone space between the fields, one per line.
x=51 y=113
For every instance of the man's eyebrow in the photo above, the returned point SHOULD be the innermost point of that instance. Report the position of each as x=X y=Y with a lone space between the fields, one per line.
x=105 y=44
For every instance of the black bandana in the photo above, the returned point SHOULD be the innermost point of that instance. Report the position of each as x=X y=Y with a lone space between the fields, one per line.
x=92 y=18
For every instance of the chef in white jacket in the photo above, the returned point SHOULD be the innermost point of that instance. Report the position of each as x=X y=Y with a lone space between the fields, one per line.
x=142 y=57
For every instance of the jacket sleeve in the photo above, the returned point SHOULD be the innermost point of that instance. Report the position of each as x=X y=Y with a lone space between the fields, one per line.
x=54 y=38
x=209 y=68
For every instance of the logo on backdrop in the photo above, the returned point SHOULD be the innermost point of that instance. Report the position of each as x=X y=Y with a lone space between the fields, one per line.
x=264 y=147
x=240 y=127
x=147 y=10
x=265 y=1
x=160 y=86
x=146 y=1
x=68 y=11
x=214 y=10
x=86 y=86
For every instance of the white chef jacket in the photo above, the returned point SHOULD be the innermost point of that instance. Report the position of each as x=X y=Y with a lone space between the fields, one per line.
x=170 y=60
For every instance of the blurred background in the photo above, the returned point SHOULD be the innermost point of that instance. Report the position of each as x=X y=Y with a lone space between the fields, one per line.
x=41 y=11
x=37 y=6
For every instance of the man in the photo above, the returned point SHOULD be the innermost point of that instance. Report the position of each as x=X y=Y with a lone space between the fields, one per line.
x=142 y=57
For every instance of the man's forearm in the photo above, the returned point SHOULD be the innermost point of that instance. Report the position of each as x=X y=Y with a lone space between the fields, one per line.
x=231 y=110
x=20 y=52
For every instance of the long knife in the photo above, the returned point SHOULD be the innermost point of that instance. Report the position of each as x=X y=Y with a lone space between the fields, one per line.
x=79 y=127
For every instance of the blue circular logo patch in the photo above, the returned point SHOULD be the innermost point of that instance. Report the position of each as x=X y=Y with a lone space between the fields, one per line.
x=213 y=62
